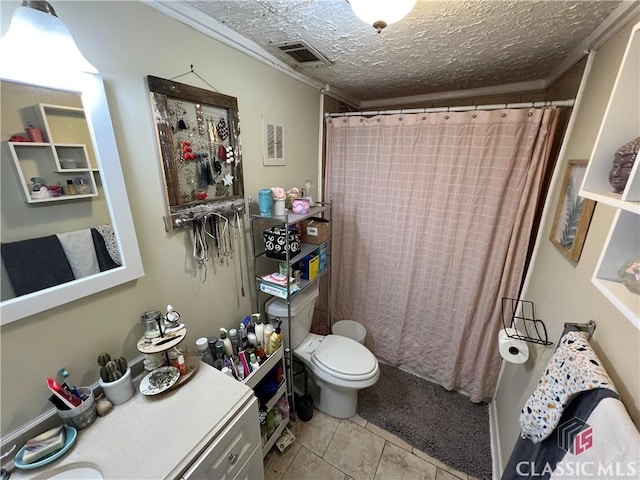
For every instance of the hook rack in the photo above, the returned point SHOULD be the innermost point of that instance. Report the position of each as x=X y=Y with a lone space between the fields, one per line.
x=521 y=316
x=183 y=218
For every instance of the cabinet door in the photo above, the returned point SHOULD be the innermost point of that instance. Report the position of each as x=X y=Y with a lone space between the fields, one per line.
x=253 y=469
x=229 y=453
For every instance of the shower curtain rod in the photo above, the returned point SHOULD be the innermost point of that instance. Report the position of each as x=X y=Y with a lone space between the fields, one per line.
x=556 y=103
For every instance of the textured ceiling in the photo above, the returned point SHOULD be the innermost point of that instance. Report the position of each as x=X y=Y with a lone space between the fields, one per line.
x=441 y=46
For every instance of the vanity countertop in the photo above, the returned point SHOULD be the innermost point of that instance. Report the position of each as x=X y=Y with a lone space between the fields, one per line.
x=154 y=437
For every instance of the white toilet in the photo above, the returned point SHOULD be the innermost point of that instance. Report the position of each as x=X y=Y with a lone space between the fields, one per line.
x=339 y=365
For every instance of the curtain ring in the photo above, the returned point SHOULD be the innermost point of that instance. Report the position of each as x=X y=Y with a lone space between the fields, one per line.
x=424 y=117
x=344 y=120
x=474 y=116
x=361 y=120
x=446 y=117
x=504 y=114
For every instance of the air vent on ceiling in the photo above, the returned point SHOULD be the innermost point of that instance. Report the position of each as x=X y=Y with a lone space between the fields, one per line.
x=301 y=53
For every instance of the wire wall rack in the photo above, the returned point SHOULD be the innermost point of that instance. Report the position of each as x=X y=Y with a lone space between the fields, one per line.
x=519 y=321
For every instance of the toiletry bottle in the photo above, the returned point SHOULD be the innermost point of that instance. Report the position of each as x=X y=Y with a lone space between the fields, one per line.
x=252 y=339
x=227 y=371
x=244 y=342
x=82 y=187
x=219 y=350
x=212 y=346
x=71 y=188
x=275 y=340
x=234 y=336
x=268 y=331
x=253 y=362
x=202 y=349
x=228 y=349
x=259 y=333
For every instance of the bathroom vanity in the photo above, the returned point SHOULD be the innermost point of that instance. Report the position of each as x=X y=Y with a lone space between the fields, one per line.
x=207 y=428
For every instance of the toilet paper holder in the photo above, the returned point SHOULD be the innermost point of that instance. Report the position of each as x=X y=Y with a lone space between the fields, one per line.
x=520 y=315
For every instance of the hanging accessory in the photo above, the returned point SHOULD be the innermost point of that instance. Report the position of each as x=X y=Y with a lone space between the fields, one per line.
x=223 y=129
x=239 y=238
x=228 y=180
x=200 y=119
x=182 y=125
x=222 y=153
x=229 y=154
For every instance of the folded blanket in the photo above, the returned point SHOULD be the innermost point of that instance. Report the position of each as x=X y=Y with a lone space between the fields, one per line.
x=79 y=248
x=36 y=264
x=574 y=368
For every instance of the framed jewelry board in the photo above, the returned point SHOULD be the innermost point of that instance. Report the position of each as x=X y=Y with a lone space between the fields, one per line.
x=199 y=141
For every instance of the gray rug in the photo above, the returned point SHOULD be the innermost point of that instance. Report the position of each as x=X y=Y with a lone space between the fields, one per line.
x=445 y=425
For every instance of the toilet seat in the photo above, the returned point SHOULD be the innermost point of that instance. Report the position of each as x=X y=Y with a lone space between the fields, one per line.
x=344 y=358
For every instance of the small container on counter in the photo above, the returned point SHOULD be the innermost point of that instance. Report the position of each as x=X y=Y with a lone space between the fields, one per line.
x=202 y=350
x=151 y=322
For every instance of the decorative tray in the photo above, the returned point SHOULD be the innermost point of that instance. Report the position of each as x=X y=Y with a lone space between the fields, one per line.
x=160 y=344
x=160 y=380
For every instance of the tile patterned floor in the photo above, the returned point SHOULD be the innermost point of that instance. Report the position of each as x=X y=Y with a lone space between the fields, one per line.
x=328 y=448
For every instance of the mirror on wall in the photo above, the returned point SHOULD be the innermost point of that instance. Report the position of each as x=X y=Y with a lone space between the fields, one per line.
x=61 y=180
x=56 y=225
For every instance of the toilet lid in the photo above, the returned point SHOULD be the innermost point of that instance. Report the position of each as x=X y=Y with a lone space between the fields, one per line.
x=345 y=358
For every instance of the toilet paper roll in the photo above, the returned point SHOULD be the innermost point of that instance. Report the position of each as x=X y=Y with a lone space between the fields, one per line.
x=512 y=349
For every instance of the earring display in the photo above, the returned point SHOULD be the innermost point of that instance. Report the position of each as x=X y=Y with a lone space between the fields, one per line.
x=199 y=137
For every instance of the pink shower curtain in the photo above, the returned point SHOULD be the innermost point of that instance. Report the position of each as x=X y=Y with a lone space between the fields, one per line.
x=431 y=221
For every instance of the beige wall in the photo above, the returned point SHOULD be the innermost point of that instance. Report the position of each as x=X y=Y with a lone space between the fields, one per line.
x=562 y=290
x=127 y=41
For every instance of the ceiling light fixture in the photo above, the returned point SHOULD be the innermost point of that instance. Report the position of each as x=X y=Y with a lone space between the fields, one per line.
x=380 y=13
x=38 y=40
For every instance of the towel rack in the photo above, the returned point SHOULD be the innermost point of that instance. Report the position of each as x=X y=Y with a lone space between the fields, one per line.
x=589 y=327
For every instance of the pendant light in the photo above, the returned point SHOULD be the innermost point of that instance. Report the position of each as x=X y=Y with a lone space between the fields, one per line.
x=380 y=13
x=37 y=39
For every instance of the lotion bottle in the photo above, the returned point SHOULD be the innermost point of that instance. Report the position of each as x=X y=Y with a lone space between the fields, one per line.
x=268 y=331
x=260 y=333
x=275 y=340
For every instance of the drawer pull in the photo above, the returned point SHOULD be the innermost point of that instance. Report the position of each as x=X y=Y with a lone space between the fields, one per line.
x=233 y=458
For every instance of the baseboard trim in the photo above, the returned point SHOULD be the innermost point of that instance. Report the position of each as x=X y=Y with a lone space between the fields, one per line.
x=496 y=455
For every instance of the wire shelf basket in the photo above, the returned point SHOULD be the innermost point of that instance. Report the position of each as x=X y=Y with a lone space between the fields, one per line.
x=520 y=317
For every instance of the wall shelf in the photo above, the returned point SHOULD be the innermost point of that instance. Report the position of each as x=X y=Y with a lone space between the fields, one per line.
x=63 y=128
x=620 y=124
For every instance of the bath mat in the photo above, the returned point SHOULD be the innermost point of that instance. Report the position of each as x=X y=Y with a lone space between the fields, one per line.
x=445 y=425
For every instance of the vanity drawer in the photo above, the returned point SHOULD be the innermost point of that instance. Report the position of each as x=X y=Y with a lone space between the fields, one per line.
x=231 y=450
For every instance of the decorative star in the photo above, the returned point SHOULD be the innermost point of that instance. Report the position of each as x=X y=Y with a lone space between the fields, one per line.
x=228 y=180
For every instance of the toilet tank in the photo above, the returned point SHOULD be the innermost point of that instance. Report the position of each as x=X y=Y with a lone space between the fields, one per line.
x=302 y=307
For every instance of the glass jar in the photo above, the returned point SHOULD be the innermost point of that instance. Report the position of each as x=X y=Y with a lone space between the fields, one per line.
x=151 y=323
